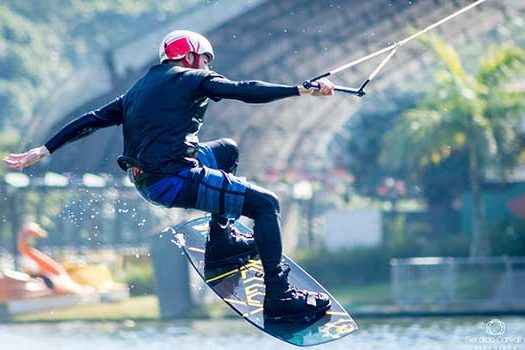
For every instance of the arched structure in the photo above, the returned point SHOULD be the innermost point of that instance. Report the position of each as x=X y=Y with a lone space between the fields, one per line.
x=289 y=41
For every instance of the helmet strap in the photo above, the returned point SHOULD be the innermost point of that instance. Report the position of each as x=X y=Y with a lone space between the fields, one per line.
x=196 y=60
x=185 y=62
x=188 y=64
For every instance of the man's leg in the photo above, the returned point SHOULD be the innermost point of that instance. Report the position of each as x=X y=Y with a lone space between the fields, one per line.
x=259 y=204
x=263 y=207
x=211 y=188
x=212 y=191
x=282 y=302
x=223 y=194
x=221 y=154
x=231 y=197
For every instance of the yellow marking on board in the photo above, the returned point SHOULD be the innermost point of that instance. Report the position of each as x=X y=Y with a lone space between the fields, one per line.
x=198 y=250
x=252 y=301
x=246 y=314
x=253 y=291
x=222 y=275
x=338 y=328
x=336 y=313
x=233 y=301
x=201 y=227
x=244 y=269
x=256 y=311
x=253 y=265
x=250 y=289
x=254 y=278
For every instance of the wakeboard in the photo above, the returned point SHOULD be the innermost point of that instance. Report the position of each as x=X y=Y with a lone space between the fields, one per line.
x=242 y=288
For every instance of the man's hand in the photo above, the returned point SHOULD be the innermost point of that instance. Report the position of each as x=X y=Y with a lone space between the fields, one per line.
x=326 y=88
x=23 y=160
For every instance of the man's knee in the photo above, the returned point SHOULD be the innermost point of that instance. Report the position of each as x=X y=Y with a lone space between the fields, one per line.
x=231 y=154
x=263 y=201
x=273 y=201
x=232 y=148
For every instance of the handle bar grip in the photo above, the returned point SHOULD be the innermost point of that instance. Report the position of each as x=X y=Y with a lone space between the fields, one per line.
x=359 y=92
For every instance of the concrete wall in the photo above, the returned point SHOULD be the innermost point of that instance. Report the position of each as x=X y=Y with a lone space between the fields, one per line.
x=353 y=228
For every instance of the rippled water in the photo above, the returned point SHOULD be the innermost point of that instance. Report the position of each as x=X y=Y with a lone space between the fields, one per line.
x=431 y=333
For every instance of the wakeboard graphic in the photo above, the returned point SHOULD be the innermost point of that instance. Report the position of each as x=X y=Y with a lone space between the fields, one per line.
x=242 y=288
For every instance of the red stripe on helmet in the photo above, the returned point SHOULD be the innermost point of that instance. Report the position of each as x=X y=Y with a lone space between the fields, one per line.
x=177 y=48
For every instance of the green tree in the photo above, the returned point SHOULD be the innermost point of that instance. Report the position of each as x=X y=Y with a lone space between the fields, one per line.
x=366 y=129
x=41 y=43
x=472 y=113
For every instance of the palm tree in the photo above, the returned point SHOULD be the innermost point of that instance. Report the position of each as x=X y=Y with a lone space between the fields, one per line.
x=463 y=112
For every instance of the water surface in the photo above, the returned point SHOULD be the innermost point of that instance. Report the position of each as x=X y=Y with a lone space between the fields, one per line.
x=412 y=333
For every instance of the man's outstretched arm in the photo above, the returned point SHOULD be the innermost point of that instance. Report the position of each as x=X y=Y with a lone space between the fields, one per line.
x=110 y=114
x=255 y=91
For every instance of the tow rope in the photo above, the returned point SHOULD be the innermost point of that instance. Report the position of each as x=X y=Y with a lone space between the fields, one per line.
x=392 y=48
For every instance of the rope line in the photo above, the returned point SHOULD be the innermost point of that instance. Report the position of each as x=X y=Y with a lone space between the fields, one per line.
x=394 y=47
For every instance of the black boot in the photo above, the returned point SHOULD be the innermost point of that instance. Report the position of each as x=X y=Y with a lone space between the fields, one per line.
x=285 y=303
x=225 y=246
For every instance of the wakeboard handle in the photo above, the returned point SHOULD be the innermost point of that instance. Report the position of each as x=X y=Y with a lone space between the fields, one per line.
x=308 y=84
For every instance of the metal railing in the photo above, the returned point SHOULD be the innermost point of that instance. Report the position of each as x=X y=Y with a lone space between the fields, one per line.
x=490 y=283
x=91 y=212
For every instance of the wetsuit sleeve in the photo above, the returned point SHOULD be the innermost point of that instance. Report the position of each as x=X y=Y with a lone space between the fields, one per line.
x=250 y=91
x=110 y=114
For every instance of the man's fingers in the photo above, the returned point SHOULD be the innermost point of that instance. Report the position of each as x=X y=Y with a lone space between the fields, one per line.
x=16 y=157
x=8 y=160
x=19 y=160
x=11 y=161
x=13 y=166
x=329 y=88
x=326 y=87
x=326 y=90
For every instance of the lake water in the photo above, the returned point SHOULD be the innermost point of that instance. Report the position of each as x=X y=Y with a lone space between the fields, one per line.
x=429 y=333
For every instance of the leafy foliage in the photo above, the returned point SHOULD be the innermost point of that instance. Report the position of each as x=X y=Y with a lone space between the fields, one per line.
x=41 y=43
x=462 y=111
x=474 y=114
x=425 y=140
x=367 y=130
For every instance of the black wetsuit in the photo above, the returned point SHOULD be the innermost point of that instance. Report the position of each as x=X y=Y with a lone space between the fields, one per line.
x=161 y=116
x=163 y=112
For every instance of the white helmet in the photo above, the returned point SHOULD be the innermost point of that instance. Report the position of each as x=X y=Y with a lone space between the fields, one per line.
x=178 y=43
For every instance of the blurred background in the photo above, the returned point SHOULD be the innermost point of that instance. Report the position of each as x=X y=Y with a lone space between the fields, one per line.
x=405 y=204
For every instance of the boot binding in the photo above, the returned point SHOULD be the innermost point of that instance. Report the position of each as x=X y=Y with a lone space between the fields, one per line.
x=306 y=317
x=235 y=260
